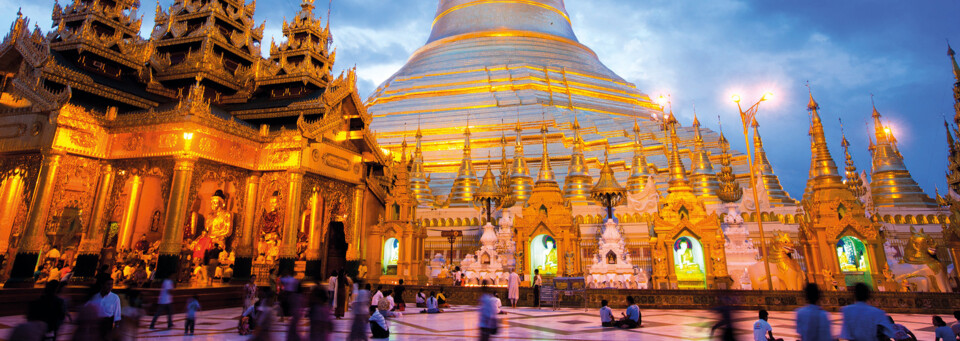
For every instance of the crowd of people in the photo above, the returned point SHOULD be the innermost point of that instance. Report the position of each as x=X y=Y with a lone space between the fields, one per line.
x=103 y=315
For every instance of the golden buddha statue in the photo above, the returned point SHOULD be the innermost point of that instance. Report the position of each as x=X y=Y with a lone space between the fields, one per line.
x=220 y=224
x=550 y=259
x=687 y=267
x=270 y=227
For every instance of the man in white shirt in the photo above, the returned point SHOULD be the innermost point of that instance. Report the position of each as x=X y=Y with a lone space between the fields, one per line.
x=861 y=320
x=812 y=321
x=488 y=315
x=164 y=300
x=375 y=299
x=108 y=307
x=762 y=331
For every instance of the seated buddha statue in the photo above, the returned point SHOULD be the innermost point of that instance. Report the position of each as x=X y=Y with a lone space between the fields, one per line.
x=270 y=227
x=550 y=260
x=220 y=224
x=845 y=261
x=688 y=266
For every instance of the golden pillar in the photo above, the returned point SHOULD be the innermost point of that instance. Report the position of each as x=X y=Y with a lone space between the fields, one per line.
x=125 y=239
x=12 y=190
x=170 y=245
x=356 y=248
x=89 y=252
x=245 y=254
x=288 y=242
x=314 y=265
x=32 y=238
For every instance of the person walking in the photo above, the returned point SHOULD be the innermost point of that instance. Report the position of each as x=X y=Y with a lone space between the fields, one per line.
x=725 y=324
x=341 y=294
x=812 y=321
x=296 y=313
x=361 y=308
x=488 y=315
x=108 y=305
x=861 y=321
x=320 y=323
x=193 y=305
x=164 y=301
x=513 y=288
x=50 y=308
x=537 y=282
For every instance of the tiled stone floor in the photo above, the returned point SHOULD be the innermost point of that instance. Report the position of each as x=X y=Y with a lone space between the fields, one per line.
x=460 y=323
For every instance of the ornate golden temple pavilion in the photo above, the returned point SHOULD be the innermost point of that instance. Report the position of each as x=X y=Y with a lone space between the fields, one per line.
x=167 y=147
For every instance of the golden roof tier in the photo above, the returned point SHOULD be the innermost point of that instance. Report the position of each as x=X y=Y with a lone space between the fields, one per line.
x=497 y=59
x=891 y=183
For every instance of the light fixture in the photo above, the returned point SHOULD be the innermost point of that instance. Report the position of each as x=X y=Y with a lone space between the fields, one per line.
x=187 y=136
x=736 y=98
x=767 y=96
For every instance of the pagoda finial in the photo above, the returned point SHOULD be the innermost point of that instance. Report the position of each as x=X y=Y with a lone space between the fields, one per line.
x=824 y=171
x=521 y=184
x=638 y=168
x=730 y=190
x=892 y=185
x=546 y=172
x=465 y=185
x=678 y=174
x=702 y=176
x=853 y=180
x=956 y=68
x=419 y=184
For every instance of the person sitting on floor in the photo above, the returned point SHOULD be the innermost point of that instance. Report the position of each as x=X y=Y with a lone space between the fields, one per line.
x=421 y=299
x=386 y=306
x=630 y=319
x=942 y=331
x=900 y=332
x=442 y=299
x=378 y=325
x=432 y=305
x=762 y=331
x=606 y=314
x=496 y=297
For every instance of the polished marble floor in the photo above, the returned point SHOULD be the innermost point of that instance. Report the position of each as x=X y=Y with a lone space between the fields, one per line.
x=460 y=323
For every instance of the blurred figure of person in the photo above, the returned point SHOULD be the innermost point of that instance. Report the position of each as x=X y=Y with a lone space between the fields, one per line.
x=861 y=321
x=361 y=309
x=631 y=318
x=295 y=305
x=942 y=331
x=164 y=302
x=457 y=280
x=332 y=290
x=956 y=325
x=432 y=305
x=88 y=319
x=812 y=321
x=724 y=323
x=900 y=332
x=49 y=308
x=108 y=305
x=513 y=288
x=340 y=303
x=31 y=330
x=442 y=299
x=537 y=282
x=377 y=296
x=248 y=319
x=606 y=314
x=488 y=315
x=288 y=289
x=250 y=292
x=193 y=306
x=131 y=316
x=320 y=323
x=266 y=317
x=400 y=304
x=762 y=331
x=421 y=299
x=378 y=324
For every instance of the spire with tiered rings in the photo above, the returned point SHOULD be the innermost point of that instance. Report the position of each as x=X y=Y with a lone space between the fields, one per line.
x=765 y=171
x=504 y=181
x=465 y=185
x=576 y=187
x=703 y=177
x=488 y=195
x=730 y=191
x=824 y=170
x=521 y=184
x=953 y=169
x=418 y=178
x=638 y=168
x=545 y=175
x=678 y=174
x=891 y=184
x=853 y=180
x=608 y=192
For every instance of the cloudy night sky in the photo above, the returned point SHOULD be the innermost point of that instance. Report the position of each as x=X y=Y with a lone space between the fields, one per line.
x=701 y=52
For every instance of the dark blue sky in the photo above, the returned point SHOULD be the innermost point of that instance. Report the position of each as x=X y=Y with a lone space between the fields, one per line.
x=700 y=52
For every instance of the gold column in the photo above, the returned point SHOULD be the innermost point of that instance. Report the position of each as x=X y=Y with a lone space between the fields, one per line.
x=357 y=247
x=177 y=206
x=125 y=240
x=32 y=238
x=12 y=189
x=250 y=204
x=288 y=243
x=313 y=244
x=93 y=239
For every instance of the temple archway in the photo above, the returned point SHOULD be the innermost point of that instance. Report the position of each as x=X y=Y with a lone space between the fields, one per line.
x=543 y=255
x=688 y=263
x=853 y=261
x=391 y=255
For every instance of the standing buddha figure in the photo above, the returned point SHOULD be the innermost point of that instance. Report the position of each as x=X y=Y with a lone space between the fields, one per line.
x=270 y=227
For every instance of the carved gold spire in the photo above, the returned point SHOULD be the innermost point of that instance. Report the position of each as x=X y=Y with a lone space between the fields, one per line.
x=545 y=175
x=824 y=172
x=638 y=168
x=576 y=187
x=730 y=190
x=521 y=184
x=953 y=170
x=504 y=181
x=608 y=192
x=704 y=179
x=418 y=178
x=678 y=174
x=465 y=185
x=956 y=86
x=771 y=183
x=853 y=180
x=891 y=184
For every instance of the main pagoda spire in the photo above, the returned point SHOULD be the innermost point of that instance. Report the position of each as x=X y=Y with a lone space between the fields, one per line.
x=703 y=177
x=891 y=184
x=521 y=184
x=638 y=168
x=576 y=187
x=465 y=185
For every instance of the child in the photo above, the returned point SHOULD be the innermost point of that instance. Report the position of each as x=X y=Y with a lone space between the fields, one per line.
x=431 y=305
x=193 y=305
x=421 y=299
x=606 y=314
x=943 y=332
x=378 y=325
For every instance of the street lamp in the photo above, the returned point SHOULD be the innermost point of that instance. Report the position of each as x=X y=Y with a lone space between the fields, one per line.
x=747 y=117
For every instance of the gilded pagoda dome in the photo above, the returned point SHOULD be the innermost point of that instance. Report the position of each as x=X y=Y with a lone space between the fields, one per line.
x=517 y=65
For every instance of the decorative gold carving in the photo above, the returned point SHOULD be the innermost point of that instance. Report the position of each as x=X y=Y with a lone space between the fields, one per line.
x=336 y=161
x=12 y=130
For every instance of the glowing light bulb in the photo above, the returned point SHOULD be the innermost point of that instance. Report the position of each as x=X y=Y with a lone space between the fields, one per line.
x=767 y=96
x=188 y=136
x=736 y=98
